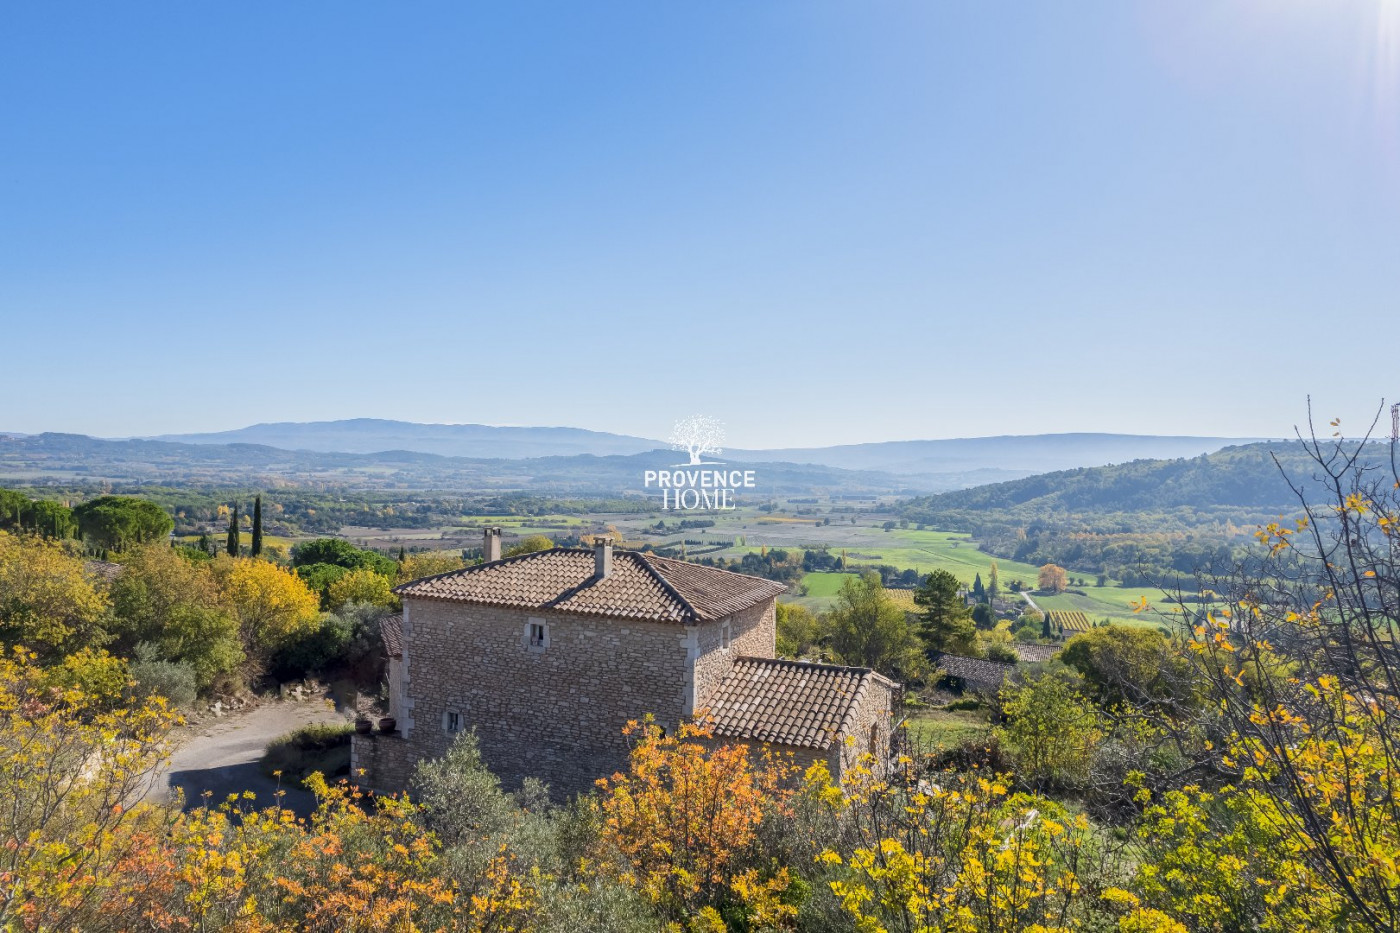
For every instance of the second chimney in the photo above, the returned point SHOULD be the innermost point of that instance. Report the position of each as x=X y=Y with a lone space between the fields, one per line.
x=491 y=545
x=602 y=557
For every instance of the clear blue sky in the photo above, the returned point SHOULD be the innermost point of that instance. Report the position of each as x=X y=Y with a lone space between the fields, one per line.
x=820 y=222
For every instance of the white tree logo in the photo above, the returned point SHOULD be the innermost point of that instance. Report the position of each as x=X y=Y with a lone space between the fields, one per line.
x=698 y=435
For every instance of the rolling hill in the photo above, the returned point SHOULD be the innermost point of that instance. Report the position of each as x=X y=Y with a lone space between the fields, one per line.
x=930 y=464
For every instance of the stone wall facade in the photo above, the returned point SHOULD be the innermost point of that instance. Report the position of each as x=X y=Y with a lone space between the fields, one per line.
x=870 y=728
x=752 y=633
x=383 y=763
x=551 y=707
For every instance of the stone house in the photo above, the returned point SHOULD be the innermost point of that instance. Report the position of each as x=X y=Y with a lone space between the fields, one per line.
x=548 y=655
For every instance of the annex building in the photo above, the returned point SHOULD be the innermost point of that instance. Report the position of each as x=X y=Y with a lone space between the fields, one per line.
x=548 y=655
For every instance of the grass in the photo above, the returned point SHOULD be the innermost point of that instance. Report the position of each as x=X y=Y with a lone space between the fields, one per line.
x=938 y=729
x=825 y=584
x=317 y=747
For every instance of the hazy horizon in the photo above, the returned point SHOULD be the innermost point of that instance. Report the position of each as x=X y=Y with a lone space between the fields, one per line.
x=660 y=440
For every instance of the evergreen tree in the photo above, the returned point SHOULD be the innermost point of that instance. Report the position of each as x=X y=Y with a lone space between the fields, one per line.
x=403 y=555
x=257 y=526
x=946 y=625
x=232 y=543
x=1045 y=632
x=993 y=587
x=204 y=543
x=979 y=592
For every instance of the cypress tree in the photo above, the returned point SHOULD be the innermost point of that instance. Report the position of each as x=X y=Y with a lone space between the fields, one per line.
x=232 y=543
x=1045 y=627
x=403 y=555
x=257 y=526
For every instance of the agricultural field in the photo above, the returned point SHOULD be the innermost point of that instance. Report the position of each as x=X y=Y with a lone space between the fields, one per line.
x=1113 y=603
x=1070 y=622
x=245 y=538
x=824 y=584
x=903 y=598
x=923 y=551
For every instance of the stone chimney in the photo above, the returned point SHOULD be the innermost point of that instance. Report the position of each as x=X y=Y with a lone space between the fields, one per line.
x=602 y=557
x=491 y=544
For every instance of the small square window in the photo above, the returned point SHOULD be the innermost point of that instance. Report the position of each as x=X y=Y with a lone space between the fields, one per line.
x=724 y=638
x=452 y=721
x=535 y=637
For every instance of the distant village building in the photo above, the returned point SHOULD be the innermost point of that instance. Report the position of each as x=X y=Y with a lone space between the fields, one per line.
x=548 y=655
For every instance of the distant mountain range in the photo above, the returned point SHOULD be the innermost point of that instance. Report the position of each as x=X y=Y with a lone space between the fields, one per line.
x=937 y=464
x=73 y=459
x=1024 y=454
x=373 y=435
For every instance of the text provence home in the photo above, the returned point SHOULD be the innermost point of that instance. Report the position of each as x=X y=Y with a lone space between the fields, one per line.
x=698 y=489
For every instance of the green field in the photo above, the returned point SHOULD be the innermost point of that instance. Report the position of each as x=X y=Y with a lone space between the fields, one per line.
x=923 y=551
x=824 y=584
x=1110 y=602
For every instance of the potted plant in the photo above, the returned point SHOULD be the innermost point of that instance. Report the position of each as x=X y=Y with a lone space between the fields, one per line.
x=363 y=725
x=387 y=725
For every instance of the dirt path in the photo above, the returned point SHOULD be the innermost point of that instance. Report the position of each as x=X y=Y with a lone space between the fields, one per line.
x=221 y=755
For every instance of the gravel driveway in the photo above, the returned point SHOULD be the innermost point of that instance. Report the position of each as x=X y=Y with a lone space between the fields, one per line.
x=221 y=755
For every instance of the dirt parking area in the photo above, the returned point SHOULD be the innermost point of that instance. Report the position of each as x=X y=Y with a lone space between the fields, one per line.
x=220 y=755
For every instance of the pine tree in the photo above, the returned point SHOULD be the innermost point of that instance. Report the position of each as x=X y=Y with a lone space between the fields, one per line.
x=945 y=625
x=257 y=526
x=232 y=543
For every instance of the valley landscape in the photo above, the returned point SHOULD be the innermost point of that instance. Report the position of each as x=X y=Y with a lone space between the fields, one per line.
x=915 y=467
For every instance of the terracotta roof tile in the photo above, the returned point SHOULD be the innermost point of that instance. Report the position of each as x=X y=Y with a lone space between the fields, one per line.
x=974 y=671
x=392 y=629
x=788 y=702
x=1036 y=652
x=639 y=587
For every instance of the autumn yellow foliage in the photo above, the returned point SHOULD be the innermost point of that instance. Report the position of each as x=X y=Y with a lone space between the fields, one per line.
x=684 y=816
x=270 y=602
x=49 y=602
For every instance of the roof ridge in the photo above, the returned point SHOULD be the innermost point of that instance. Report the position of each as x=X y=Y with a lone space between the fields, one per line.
x=665 y=584
x=966 y=657
x=817 y=664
